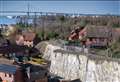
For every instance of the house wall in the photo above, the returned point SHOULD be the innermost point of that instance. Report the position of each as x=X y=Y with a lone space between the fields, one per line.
x=28 y=43
x=20 y=41
x=6 y=78
x=97 y=41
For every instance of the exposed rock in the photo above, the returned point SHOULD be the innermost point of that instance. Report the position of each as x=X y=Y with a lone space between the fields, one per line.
x=87 y=67
x=41 y=46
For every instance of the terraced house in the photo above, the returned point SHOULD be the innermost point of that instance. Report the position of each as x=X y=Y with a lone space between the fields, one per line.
x=26 y=38
x=10 y=73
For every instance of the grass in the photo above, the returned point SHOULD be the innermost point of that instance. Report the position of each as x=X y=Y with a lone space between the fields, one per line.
x=38 y=60
x=100 y=52
x=116 y=55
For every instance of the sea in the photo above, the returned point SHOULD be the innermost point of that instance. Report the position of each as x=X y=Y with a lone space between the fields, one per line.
x=7 y=20
x=10 y=20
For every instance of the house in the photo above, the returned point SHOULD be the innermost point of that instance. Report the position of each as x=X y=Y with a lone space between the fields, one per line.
x=23 y=72
x=26 y=38
x=29 y=38
x=77 y=33
x=11 y=73
x=94 y=36
x=98 y=36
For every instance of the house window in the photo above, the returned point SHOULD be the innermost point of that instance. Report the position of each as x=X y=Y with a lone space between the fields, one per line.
x=90 y=39
x=5 y=75
x=10 y=75
x=1 y=79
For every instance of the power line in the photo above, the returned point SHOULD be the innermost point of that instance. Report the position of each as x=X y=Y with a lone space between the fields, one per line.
x=43 y=13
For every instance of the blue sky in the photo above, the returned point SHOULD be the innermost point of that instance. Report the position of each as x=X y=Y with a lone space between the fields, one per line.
x=82 y=7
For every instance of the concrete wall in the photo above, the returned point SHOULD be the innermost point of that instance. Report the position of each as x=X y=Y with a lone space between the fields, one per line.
x=87 y=67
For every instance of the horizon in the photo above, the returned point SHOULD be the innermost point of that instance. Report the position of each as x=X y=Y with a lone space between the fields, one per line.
x=84 y=8
x=78 y=7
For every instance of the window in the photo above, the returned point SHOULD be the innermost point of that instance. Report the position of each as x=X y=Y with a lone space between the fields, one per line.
x=1 y=79
x=5 y=75
x=10 y=75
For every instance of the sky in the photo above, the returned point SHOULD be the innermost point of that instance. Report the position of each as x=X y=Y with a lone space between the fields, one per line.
x=81 y=7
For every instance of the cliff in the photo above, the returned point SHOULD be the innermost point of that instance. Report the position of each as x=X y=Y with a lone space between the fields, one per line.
x=87 y=67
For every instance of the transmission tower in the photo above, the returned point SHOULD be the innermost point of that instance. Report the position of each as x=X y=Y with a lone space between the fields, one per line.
x=28 y=11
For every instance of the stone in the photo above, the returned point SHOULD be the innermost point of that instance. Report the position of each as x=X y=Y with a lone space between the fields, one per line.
x=73 y=66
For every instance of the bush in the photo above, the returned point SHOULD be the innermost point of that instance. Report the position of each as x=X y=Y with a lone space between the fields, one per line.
x=40 y=34
x=83 y=23
x=116 y=55
x=52 y=35
x=47 y=35
x=116 y=25
x=74 y=43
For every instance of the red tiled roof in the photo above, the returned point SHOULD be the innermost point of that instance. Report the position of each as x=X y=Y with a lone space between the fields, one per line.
x=82 y=31
x=29 y=36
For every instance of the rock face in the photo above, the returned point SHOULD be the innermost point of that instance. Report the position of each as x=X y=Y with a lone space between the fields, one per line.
x=87 y=67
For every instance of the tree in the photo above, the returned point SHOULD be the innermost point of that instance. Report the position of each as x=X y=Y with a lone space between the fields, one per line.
x=62 y=20
x=0 y=33
x=115 y=49
x=83 y=23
